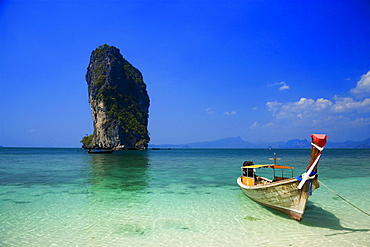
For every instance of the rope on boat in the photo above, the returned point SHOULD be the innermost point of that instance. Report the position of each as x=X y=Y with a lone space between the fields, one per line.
x=344 y=199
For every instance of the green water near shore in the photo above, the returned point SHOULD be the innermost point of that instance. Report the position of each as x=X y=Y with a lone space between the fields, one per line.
x=178 y=197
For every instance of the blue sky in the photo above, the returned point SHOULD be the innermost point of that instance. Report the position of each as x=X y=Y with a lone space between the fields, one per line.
x=262 y=70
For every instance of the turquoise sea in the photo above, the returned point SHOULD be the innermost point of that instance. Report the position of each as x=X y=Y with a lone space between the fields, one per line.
x=178 y=197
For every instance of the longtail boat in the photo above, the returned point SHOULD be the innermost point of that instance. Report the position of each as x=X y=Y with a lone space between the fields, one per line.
x=100 y=151
x=285 y=194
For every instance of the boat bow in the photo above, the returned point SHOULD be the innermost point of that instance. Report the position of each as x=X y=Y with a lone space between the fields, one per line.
x=318 y=143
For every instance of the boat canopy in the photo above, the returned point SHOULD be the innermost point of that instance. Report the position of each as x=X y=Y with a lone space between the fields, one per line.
x=269 y=166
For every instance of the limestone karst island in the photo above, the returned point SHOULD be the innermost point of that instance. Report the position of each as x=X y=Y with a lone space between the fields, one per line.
x=119 y=102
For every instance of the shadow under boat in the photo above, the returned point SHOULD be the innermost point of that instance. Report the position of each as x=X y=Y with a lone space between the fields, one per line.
x=318 y=217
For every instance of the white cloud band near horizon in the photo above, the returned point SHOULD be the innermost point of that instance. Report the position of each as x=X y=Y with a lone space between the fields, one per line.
x=351 y=111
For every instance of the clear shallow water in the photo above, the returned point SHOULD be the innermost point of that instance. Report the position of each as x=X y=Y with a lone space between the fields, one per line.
x=178 y=197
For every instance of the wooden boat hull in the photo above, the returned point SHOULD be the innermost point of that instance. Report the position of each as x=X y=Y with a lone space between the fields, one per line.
x=283 y=195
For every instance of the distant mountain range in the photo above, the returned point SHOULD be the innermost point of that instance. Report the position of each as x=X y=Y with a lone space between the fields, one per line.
x=237 y=142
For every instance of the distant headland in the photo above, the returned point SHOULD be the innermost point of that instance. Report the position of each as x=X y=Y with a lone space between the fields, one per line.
x=237 y=142
x=119 y=102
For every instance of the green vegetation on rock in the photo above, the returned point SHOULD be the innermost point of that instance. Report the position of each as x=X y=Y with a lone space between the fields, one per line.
x=86 y=141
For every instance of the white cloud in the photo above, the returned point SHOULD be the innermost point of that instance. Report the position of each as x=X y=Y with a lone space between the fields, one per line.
x=363 y=85
x=273 y=106
x=268 y=125
x=254 y=108
x=322 y=112
x=340 y=116
x=255 y=125
x=326 y=113
x=347 y=104
x=209 y=111
x=362 y=121
x=283 y=85
x=230 y=113
x=306 y=108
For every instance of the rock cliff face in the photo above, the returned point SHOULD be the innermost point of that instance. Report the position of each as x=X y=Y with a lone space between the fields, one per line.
x=119 y=101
